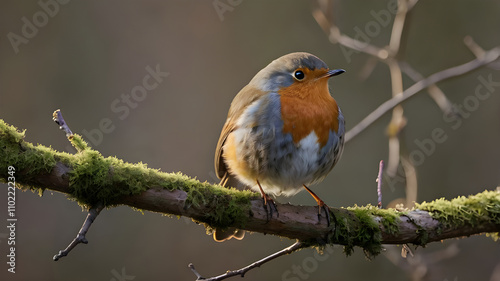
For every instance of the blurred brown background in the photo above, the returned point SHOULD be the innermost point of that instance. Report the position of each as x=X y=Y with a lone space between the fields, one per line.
x=89 y=53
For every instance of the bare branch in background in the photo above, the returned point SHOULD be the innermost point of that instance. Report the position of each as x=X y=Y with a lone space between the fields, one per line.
x=489 y=57
x=434 y=91
x=479 y=52
x=411 y=181
x=336 y=37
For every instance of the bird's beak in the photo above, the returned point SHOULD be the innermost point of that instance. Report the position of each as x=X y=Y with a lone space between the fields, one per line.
x=334 y=72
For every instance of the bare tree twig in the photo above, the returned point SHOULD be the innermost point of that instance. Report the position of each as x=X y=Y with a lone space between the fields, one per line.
x=336 y=37
x=478 y=51
x=474 y=47
x=80 y=237
x=411 y=181
x=398 y=121
x=394 y=148
x=397 y=27
x=434 y=91
x=379 y=183
x=242 y=271
x=58 y=118
x=489 y=57
x=198 y=275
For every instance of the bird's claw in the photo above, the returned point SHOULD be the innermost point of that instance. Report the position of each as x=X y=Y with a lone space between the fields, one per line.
x=272 y=205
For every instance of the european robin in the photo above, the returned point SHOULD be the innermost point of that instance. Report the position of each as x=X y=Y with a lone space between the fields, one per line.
x=284 y=131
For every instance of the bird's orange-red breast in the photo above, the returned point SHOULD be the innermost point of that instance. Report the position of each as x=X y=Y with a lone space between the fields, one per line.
x=284 y=131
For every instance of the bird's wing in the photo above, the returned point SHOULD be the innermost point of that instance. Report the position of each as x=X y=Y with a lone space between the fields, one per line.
x=220 y=166
x=243 y=99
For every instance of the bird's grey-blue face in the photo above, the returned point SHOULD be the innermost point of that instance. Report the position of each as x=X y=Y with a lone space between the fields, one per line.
x=280 y=72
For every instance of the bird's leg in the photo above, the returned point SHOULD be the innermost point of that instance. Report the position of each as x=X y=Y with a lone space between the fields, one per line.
x=321 y=205
x=265 y=199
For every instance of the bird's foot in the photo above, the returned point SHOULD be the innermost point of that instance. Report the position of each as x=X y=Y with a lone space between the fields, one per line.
x=268 y=201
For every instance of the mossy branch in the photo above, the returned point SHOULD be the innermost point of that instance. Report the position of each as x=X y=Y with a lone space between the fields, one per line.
x=89 y=178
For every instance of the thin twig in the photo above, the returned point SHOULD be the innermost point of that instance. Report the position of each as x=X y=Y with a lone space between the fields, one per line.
x=379 y=183
x=393 y=154
x=198 y=276
x=478 y=51
x=473 y=47
x=58 y=118
x=397 y=27
x=80 y=237
x=489 y=57
x=411 y=181
x=398 y=121
x=288 y=250
x=434 y=91
x=336 y=37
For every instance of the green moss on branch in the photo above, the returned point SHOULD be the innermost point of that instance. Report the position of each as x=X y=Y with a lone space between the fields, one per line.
x=361 y=226
x=475 y=210
x=29 y=160
x=93 y=178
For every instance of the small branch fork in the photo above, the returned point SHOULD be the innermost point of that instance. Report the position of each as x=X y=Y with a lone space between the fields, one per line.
x=80 y=237
x=242 y=271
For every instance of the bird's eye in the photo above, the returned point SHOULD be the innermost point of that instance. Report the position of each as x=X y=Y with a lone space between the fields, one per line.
x=299 y=75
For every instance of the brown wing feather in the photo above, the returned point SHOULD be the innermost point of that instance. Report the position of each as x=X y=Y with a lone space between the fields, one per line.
x=220 y=166
x=244 y=98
